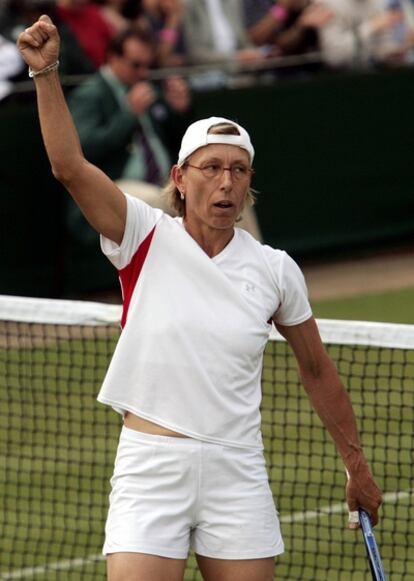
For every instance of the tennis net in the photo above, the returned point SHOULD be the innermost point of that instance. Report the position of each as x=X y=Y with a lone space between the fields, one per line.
x=57 y=445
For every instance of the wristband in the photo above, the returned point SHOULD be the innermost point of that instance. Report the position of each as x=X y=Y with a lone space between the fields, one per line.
x=279 y=13
x=168 y=35
x=45 y=71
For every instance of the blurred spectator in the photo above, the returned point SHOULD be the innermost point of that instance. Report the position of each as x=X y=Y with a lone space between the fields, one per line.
x=89 y=25
x=407 y=28
x=264 y=20
x=364 y=32
x=165 y=18
x=11 y=64
x=131 y=128
x=284 y=27
x=127 y=126
x=121 y=14
x=214 y=31
x=22 y=13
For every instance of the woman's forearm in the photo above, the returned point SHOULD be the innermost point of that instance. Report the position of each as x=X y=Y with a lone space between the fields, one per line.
x=332 y=404
x=58 y=130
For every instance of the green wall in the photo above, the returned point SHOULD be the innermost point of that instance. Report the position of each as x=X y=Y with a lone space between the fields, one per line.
x=333 y=157
x=31 y=226
x=333 y=168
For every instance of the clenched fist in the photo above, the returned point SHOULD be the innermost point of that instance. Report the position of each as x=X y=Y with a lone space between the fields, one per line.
x=39 y=44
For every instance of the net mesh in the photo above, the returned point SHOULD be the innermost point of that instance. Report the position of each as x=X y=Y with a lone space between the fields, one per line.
x=58 y=444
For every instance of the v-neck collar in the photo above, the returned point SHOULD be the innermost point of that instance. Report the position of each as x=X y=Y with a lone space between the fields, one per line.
x=223 y=252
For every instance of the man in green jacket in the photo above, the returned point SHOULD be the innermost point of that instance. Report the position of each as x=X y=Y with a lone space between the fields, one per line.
x=127 y=126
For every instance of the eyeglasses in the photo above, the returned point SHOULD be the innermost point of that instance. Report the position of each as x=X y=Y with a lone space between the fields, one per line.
x=238 y=171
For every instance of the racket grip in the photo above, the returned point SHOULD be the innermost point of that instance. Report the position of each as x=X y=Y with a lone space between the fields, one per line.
x=374 y=557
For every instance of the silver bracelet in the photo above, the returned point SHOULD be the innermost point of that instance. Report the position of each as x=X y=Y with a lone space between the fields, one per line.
x=45 y=71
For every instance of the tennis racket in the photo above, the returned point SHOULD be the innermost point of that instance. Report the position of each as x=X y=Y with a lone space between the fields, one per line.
x=374 y=557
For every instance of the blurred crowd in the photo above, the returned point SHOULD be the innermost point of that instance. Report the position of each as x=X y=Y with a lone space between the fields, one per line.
x=120 y=45
x=130 y=120
x=346 y=33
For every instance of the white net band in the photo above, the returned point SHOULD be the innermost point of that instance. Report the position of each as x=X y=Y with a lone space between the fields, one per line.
x=65 y=312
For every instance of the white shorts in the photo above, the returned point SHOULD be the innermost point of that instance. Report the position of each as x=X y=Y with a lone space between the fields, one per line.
x=170 y=495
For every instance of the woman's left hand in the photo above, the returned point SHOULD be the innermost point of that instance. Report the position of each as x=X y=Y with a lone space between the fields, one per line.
x=362 y=492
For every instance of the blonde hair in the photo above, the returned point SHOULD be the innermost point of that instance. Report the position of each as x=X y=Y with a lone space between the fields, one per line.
x=173 y=195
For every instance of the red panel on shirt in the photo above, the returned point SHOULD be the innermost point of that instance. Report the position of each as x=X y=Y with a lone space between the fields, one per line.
x=128 y=276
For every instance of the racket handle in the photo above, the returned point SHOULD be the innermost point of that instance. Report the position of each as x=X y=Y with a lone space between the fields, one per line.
x=374 y=557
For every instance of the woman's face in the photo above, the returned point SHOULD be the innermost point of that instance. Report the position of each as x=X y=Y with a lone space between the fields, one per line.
x=216 y=201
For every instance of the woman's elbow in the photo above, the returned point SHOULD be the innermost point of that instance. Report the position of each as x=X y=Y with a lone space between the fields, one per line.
x=65 y=171
x=318 y=370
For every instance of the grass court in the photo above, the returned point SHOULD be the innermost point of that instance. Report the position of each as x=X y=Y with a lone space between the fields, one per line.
x=57 y=446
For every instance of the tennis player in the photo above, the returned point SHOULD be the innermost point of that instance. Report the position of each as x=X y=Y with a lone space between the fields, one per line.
x=199 y=298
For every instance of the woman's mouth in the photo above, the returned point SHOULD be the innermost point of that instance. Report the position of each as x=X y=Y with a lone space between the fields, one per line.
x=223 y=204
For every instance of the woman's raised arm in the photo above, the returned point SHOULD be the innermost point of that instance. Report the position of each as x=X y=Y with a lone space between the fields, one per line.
x=99 y=199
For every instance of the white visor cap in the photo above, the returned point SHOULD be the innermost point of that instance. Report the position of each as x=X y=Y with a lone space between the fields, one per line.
x=197 y=136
